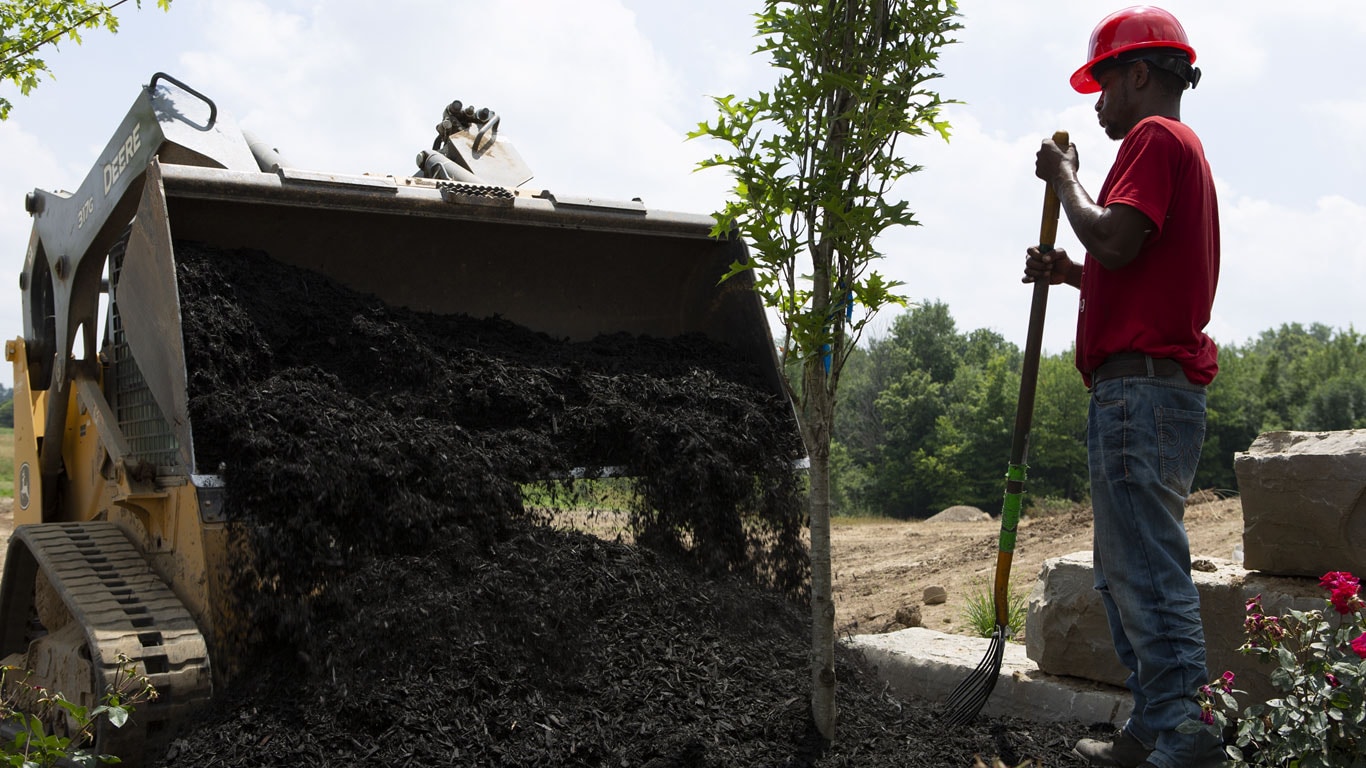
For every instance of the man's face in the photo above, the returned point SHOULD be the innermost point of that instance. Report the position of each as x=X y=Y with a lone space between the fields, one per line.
x=1115 y=104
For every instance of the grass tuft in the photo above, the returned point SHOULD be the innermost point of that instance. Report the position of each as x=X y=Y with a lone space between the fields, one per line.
x=980 y=610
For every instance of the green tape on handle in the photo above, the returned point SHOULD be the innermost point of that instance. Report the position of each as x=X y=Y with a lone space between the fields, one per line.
x=1010 y=507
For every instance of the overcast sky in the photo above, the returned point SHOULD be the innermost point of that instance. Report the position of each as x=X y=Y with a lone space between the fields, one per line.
x=598 y=95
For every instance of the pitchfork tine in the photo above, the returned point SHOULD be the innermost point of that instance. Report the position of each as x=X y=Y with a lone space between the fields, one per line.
x=971 y=695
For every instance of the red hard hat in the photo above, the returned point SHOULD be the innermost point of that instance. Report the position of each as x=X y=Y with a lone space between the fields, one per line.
x=1142 y=26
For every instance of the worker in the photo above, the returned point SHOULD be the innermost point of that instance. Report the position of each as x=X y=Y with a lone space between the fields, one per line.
x=1147 y=288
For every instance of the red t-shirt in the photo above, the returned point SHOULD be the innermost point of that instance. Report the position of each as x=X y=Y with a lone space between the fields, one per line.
x=1159 y=303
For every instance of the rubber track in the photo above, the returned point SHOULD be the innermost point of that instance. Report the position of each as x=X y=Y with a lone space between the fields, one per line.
x=126 y=609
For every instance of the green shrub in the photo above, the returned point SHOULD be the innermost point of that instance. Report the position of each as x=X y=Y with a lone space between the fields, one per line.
x=1052 y=506
x=1318 y=661
x=34 y=708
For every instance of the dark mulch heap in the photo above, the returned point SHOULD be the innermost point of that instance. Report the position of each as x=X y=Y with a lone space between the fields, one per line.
x=419 y=614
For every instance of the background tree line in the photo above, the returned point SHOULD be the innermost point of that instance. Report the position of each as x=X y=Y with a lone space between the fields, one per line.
x=925 y=412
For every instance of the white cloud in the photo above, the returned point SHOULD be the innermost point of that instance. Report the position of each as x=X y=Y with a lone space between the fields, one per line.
x=1284 y=265
x=1341 y=123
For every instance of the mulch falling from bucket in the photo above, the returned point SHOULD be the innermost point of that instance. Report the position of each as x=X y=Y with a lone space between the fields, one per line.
x=404 y=606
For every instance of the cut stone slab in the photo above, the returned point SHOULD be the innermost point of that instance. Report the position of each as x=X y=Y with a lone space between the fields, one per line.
x=926 y=666
x=1066 y=632
x=1304 y=502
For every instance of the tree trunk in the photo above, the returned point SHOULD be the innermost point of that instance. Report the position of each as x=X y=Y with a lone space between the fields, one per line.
x=818 y=407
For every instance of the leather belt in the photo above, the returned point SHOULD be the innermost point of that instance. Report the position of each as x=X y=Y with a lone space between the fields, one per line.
x=1135 y=364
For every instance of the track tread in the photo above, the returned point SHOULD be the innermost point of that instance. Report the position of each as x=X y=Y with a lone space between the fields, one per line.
x=126 y=609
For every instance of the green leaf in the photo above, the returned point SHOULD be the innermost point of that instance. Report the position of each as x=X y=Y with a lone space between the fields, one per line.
x=117 y=715
x=76 y=711
x=85 y=758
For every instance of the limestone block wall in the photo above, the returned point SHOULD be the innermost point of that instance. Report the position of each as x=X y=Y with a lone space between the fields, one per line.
x=1304 y=502
x=1066 y=632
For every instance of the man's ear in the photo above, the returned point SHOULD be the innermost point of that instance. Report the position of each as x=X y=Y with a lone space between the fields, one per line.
x=1140 y=74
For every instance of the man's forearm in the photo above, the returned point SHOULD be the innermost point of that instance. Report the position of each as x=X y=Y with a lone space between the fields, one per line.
x=1113 y=235
x=1082 y=212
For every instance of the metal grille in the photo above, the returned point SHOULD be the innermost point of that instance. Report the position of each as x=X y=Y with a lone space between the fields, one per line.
x=451 y=189
x=149 y=435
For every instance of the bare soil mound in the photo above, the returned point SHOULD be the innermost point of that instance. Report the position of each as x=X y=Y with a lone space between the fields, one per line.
x=404 y=605
x=960 y=513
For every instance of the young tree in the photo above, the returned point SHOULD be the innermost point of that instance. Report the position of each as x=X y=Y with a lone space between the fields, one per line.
x=28 y=25
x=813 y=161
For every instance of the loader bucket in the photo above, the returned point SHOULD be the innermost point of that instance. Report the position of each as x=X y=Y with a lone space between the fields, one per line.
x=572 y=269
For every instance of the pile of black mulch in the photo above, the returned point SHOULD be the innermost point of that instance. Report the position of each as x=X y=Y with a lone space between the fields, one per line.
x=403 y=604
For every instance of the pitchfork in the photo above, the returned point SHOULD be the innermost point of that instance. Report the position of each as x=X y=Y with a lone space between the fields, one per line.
x=971 y=695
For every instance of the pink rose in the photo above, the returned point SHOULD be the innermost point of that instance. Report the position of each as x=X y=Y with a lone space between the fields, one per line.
x=1335 y=580
x=1344 y=588
x=1274 y=630
x=1359 y=645
x=1345 y=600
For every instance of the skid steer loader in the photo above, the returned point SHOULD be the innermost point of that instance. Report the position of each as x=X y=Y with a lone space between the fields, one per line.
x=119 y=550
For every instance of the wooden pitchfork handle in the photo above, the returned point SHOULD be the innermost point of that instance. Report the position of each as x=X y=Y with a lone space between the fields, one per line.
x=1024 y=410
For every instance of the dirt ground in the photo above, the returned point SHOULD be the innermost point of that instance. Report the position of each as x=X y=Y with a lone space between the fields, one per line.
x=881 y=567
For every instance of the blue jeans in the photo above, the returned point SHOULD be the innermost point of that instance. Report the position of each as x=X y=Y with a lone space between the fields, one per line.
x=1144 y=438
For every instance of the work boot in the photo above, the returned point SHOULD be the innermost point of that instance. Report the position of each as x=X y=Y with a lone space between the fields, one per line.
x=1124 y=752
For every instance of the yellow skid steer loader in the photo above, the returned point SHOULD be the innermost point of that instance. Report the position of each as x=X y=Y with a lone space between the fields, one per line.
x=120 y=545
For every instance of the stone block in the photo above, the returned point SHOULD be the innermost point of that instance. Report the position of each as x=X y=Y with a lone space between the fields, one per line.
x=1066 y=632
x=1304 y=502
x=924 y=665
